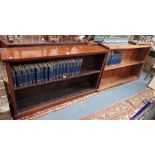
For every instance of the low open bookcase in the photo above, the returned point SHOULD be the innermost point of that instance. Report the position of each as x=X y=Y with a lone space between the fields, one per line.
x=130 y=67
x=27 y=100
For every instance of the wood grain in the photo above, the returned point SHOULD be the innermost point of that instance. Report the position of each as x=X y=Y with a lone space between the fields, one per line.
x=47 y=52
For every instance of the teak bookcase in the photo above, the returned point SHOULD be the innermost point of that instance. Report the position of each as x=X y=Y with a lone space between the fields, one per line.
x=130 y=68
x=28 y=100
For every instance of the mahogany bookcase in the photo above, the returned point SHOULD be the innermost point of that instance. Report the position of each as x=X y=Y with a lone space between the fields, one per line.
x=28 y=100
x=129 y=69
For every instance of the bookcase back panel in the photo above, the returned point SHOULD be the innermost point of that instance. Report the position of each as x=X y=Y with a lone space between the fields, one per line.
x=135 y=54
x=126 y=71
x=54 y=92
x=56 y=86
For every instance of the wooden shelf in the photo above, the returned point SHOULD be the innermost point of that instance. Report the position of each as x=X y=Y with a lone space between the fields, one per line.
x=49 y=99
x=83 y=73
x=124 y=63
x=116 y=81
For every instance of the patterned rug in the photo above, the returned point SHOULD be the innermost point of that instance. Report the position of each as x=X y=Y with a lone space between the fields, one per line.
x=122 y=110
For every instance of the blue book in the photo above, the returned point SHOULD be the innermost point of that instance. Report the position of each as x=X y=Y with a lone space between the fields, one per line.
x=66 y=67
x=14 y=77
x=112 y=58
x=63 y=68
x=18 y=75
x=33 y=74
x=80 y=65
x=50 y=71
x=41 y=72
x=73 y=66
x=37 y=74
x=24 y=75
x=109 y=59
x=77 y=66
x=69 y=67
x=45 y=71
x=60 y=68
x=56 y=69
x=121 y=56
x=28 y=72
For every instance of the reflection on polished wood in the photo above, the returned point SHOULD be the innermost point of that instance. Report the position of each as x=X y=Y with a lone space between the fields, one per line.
x=124 y=46
x=45 y=52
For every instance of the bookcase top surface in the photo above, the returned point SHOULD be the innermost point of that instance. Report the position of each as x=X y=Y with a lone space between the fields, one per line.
x=124 y=46
x=45 y=52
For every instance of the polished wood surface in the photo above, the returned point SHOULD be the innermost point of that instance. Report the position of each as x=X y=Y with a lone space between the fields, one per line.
x=124 y=46
x=45 y=52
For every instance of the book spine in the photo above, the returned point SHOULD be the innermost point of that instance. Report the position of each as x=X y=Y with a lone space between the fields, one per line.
x=33 y=74
x=80 y=65
x=30 y=75
x=63 y=68
x=19 y=76
x=69 y=67
x=77 y=66
x=51 y=71
x=37 y=71
x=45 y=72
x=24 y=75
x=41 y=72
x=56 y=69
x=28 y=72
x=60 y=68
x=66 y=67
x=109 y=59
x=73 y=66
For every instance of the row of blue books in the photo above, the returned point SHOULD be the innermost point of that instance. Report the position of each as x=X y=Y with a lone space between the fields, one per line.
x=114 y=58
x=37 y=73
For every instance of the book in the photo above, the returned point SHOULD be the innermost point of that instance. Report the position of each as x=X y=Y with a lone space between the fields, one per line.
x=60 y=68
x=33 y=76
x=69 y=67
x=24 y=75
x=50 y=70
x=66 y=67
x=18 y=75
x=80 y=65
x=73 y=67
x=45 y=71
x=37 y=73
x=56 y=69
x=41 y=66
x=77 y=64
x=63 y=68
x=28 y=72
